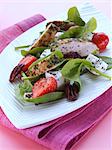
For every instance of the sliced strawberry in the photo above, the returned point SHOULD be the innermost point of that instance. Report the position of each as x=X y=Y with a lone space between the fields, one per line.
x=22 y=66
x=27 y=61
x=44 y=86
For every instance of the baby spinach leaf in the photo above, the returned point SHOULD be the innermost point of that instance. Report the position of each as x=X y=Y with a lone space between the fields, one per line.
x=72 y=70
x=35 y=51
x=74 y=16
x=91 y=25
x=108 y=60
x=80 y=31
x=109 y=67
x=72 y=32
x=19 y=92
x=89 y=66
x=58 y=53
x=23 y=87
x=23 y=46
x=70 y=66
x=50 y=97
x=59 y=65
x=100 y=73
x=33 y=79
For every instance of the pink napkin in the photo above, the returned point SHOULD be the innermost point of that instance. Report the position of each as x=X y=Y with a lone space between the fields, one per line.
x=64 y=132
x=9 y=34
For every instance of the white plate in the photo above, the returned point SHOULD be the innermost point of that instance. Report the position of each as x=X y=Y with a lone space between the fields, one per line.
x=24 y=115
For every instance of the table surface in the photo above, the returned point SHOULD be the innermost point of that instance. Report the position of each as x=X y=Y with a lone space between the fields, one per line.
x=99 y=138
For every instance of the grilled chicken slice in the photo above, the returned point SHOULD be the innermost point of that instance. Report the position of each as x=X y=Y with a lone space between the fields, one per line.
x=39 y=68
x=46 y=37
x=83 y=48
x=44 y=65
x=62 y=25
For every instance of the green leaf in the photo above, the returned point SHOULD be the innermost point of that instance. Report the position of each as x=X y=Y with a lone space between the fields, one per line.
x=50 y=97
x=72 y=69
x=70 y=65
x=18 y=92
x=25 y=87
x=109 y=67
x=33 y=79
x=35 y=51
x=74 y=16
x=73 y=32
x=91 y=25
x=20 y=47
x=58 y=53
x=22 y=88
x=87 y=63
x=108 y=60
x=100 y=73
x=80 y=31
x=59 y=65
x=90 y=67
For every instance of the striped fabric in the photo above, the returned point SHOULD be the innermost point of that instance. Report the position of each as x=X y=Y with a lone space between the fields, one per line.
x=9 y=34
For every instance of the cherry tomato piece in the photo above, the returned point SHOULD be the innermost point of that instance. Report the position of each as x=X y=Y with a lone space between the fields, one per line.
x=101 y=40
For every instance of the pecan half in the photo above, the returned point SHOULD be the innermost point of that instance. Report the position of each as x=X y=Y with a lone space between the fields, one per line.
x=17 y=70
x=72 y=91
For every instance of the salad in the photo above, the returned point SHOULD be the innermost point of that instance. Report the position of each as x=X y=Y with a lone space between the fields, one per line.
x=51 y=67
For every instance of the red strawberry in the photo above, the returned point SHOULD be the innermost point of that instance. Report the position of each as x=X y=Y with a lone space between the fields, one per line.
x=27 y=61
x=44 y=86
x=22 y=66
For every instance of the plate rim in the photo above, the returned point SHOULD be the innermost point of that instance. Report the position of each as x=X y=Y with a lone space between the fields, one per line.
x=1 y=96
